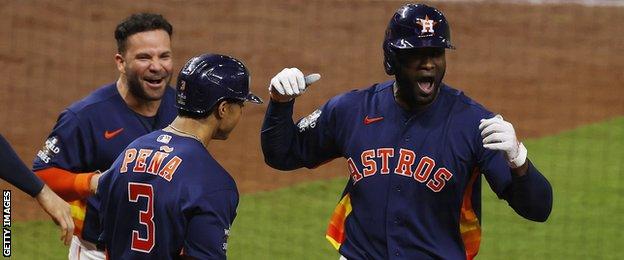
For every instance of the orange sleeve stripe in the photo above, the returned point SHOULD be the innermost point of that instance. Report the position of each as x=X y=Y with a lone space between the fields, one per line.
x=78 y=224
x=469 y=222
x=335 y=233
x=78 y=211
x=68 y=185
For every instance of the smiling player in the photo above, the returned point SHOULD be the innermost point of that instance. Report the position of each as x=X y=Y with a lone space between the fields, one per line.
x=166 y=197
x=90 y=133
x=415 y=148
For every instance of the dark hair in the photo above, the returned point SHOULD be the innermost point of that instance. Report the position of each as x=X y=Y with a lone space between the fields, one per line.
x=193 y=115
x=136 y=23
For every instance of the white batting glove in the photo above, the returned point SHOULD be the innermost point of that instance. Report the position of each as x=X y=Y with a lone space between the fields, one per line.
x=500 y=135
x=289 y=84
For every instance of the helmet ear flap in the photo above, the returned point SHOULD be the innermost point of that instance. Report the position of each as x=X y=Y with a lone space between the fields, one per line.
x=390 y=62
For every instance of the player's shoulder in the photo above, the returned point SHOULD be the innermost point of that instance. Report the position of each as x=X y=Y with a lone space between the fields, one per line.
x=197 y=164
x=356 y=97
x=101 y=95
x=463 y=103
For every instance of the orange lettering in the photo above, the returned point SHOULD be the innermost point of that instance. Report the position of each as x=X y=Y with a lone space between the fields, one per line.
x=385 y=154
x=370 y=166
x=139 y=166
x=156 y=162
x=440 y=177
x=406 y=160
x=170 y=168
x=424 y=168
x=355 y=174
x=129 y=156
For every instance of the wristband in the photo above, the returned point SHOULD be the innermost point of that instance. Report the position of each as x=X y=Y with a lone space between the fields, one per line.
x=520 y=159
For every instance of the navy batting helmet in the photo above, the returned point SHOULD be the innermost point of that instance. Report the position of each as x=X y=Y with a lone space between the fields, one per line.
x=415 y=26
x=209 y=78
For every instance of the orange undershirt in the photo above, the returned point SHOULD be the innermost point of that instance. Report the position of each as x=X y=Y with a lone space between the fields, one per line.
x=73 y=188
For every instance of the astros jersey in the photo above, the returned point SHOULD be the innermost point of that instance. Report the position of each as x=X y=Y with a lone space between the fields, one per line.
x=414 y=187
x=91 y=133
x=164 y=195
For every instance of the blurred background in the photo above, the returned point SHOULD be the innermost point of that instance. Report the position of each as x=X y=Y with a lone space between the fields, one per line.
x=553 y=68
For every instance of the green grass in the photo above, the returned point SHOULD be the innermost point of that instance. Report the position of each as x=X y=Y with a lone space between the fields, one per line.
x=585 y=167
x=37 y=240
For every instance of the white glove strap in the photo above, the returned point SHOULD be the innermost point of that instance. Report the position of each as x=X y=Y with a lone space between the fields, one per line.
x=520 y=159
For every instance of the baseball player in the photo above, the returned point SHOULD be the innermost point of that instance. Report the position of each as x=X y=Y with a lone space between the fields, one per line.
x=13 y=170
x=166 y=196
x=91 y=133
x=415 y=149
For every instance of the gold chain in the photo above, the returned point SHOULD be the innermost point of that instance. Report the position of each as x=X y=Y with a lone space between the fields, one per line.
x=186 y=133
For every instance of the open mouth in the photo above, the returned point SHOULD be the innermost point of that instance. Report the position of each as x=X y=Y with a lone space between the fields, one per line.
x=426 y=84
x=154 y=82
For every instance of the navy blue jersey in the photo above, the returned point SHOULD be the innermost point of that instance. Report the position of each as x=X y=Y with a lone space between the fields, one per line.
x=166 y=195
x=414 y=187
x=91 y=133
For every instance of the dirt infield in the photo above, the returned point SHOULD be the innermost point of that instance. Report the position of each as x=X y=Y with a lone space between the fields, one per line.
x=545 y=68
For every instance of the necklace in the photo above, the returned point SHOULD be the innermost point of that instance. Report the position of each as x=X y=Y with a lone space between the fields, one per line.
x=186 y=134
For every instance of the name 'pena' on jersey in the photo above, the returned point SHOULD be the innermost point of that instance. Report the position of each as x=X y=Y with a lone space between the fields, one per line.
x=165 y=194
x=150 y=162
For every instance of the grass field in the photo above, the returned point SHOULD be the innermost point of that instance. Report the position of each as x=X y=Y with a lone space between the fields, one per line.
x=585 y=167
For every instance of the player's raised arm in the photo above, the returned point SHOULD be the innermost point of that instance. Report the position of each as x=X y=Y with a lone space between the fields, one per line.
x=529 y=193
x=287 y=146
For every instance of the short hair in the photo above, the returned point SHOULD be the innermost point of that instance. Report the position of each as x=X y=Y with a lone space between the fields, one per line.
x=140 y=22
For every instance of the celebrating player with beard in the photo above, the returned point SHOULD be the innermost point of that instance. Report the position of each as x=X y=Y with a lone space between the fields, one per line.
x=91 y=133
x=166 y=197
x=416 y=149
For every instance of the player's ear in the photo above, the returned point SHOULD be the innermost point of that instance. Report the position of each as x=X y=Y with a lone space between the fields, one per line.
x=221 y=109
x=120 y=61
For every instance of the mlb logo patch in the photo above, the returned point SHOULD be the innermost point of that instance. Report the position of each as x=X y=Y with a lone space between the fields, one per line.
x=164 y=139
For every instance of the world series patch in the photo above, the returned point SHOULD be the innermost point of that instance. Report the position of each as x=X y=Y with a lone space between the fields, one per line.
x=49 y=149
x=309 y=121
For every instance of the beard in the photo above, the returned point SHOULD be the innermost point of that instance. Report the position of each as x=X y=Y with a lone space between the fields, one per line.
x=409 y=91
x=139 y=91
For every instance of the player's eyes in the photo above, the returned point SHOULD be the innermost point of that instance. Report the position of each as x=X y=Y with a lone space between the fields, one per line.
x=143 y=57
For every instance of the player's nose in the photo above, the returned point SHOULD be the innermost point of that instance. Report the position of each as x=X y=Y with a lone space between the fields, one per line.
x=427 y=63
x=156 y=66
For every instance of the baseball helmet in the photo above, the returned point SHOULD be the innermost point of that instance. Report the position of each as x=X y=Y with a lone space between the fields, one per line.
x=415 y=26
x=209 y=78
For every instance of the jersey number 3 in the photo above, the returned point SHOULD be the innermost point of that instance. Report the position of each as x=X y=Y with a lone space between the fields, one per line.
x=146 y=217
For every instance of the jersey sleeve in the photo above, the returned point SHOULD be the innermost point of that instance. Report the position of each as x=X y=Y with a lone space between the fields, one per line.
x=66 y=146
x=210 y=217
x=64 y=154
x=529 y=195
x=13 y=170
x=309 y=143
